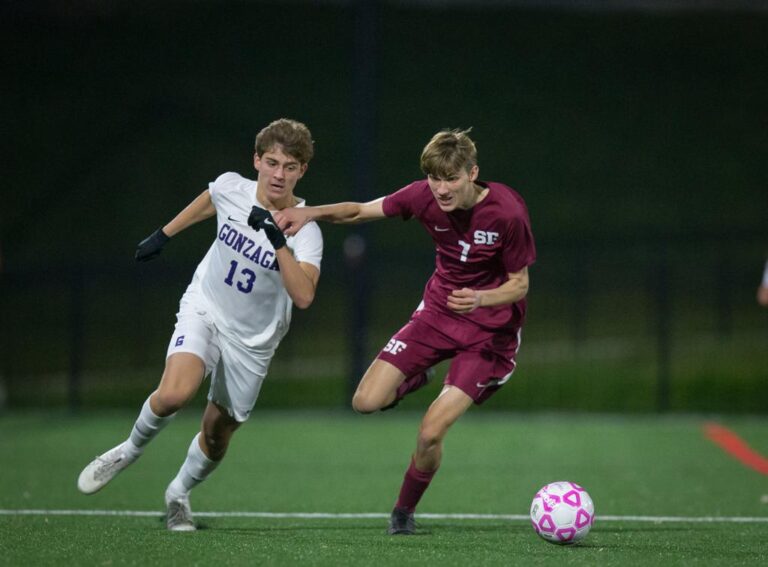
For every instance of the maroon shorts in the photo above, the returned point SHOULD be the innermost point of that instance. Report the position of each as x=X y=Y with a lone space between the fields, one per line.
x=482 y=361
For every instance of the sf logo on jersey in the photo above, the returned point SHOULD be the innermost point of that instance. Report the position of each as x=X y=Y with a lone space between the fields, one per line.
x=486 y=237
x=394 y=346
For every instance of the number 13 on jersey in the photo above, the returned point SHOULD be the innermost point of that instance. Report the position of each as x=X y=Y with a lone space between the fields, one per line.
x=244 y=284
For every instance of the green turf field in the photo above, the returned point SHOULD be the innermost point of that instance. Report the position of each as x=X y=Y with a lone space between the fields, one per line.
x=664 y=494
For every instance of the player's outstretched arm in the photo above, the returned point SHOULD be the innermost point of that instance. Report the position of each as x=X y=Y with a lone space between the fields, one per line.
x=291 y=220
x=199 y=209
x=514 y=289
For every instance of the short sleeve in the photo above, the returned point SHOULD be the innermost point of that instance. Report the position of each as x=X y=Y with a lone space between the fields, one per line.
x=401 y=202
x=308 y=245
x=222 y=183
x=520 y=249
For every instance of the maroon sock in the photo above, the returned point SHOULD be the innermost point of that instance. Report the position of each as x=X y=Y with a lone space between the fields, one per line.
x=411 y=384
x=414 y=485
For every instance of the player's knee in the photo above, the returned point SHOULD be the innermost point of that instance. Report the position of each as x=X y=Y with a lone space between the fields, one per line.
x=430 y=437
x=166 y=402
x=216 y=446
x=363 y=403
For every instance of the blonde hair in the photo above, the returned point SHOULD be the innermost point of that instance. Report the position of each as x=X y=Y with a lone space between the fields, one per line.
x=448 y=152
x=294 y=137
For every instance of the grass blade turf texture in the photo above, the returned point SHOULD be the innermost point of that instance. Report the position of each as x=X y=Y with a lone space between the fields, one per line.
x=340 y=463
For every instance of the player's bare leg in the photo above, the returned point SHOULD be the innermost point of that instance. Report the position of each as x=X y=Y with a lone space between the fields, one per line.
x=378 y=387
x=205 y=453
x=449 y=406
x=183 y=374
x=217 y=428
x=384 y=385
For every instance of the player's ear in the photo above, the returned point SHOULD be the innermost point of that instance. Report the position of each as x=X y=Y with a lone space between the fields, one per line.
x=474 y=172
x=256 y=161
x=303 y=169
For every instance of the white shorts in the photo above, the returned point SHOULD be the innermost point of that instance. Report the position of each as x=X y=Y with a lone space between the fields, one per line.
x=236 y=372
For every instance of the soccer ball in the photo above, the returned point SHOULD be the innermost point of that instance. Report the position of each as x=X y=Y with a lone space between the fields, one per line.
x=562 y=513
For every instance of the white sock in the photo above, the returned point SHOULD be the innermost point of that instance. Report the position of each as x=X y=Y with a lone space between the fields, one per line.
x=195 y=470
x=144 y=430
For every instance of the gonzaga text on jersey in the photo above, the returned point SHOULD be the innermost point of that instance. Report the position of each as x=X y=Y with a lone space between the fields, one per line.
x=245 y=246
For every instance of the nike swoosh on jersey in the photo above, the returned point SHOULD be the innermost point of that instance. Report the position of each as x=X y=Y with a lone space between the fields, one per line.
x=441 y=229
x=233 y=220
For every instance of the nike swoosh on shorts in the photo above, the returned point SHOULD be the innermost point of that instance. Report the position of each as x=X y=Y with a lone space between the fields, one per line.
x=494 y=382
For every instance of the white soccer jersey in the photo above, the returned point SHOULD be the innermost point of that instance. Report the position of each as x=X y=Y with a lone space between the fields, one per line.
x=239 y=278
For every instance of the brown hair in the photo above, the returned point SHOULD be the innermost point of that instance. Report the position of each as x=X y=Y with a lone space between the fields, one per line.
x=294 y=137
x=448 y=152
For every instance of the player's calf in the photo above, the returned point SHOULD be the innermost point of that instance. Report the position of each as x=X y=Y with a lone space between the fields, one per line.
x=410 y=385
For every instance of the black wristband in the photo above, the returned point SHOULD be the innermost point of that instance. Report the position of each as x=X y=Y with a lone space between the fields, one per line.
x=276 y=237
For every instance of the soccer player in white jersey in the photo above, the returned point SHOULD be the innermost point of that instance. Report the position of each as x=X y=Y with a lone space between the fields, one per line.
x=233 y=314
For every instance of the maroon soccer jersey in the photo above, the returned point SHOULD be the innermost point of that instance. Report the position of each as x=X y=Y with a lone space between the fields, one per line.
x=476 y=248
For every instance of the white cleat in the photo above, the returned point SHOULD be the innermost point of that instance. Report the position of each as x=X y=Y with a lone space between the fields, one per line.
x=103 y=469
x=179 y=516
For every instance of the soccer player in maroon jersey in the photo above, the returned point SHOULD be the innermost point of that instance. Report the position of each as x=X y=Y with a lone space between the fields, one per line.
x=473 y=306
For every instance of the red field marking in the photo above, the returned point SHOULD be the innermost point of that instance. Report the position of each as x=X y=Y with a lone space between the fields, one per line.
x=736 y=446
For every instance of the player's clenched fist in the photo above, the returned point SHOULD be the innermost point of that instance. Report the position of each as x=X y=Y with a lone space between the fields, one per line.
x=291 y=220
x=463 y=300
x=151 y=246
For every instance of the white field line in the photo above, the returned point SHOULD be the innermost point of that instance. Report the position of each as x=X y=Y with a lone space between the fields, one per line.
x=376 y=515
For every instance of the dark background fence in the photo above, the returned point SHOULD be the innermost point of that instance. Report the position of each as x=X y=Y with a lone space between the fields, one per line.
x=637 y=137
